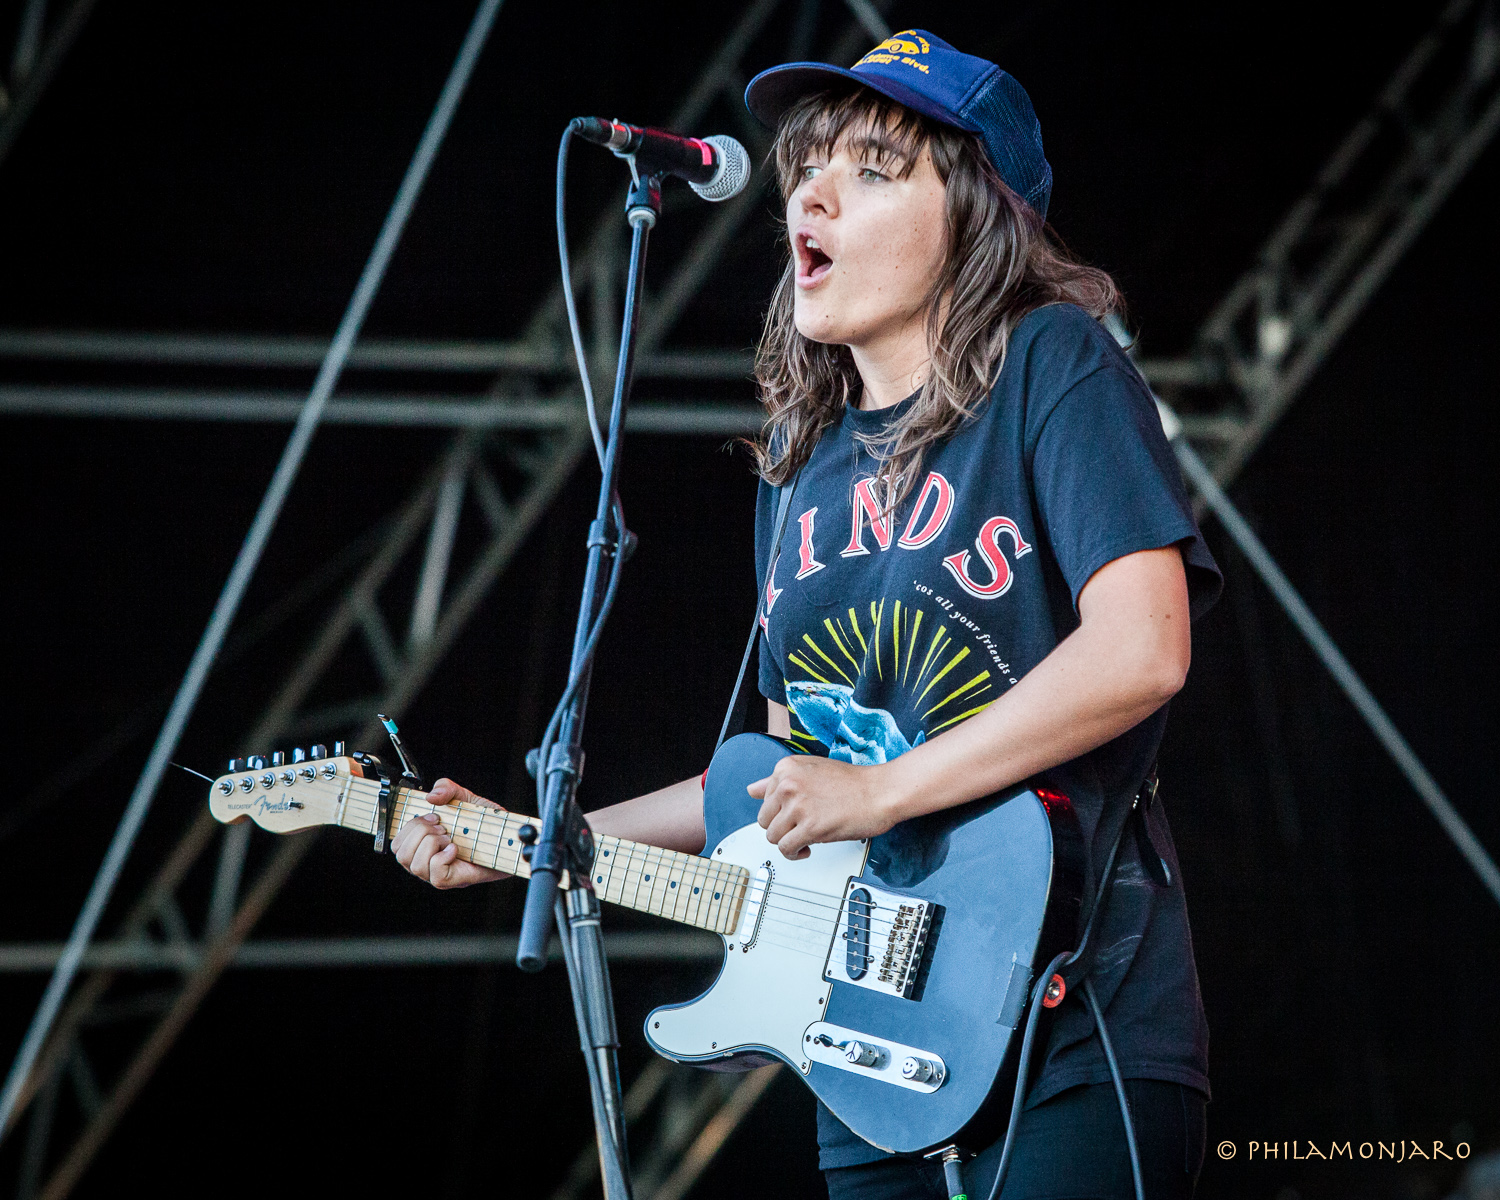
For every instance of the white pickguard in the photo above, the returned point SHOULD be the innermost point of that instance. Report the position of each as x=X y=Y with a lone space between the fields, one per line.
x=768 y=995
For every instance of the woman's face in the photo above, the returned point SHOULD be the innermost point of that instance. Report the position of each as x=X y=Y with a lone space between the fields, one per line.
x=868 y=246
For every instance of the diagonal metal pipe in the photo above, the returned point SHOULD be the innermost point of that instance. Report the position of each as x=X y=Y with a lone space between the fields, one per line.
x=247 y=559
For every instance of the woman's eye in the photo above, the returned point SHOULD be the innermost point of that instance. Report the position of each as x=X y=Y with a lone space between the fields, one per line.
x=808 y=172
x=870 y=175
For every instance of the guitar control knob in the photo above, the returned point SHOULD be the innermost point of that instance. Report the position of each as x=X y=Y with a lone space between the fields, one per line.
x=318 y=751
x=920 y=1070
x=277 y=758
x=299 y=755
x=862 y=1054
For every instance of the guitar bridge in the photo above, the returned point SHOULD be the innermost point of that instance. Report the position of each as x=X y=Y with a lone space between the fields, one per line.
x=882 y=937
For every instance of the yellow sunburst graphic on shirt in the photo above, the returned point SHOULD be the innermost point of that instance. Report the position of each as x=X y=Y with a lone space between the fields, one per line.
x=891 y=643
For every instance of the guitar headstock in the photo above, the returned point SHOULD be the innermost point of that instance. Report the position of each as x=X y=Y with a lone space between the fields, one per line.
x=281 y=796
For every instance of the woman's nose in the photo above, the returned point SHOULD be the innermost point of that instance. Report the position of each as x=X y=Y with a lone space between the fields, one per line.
x=818 y=195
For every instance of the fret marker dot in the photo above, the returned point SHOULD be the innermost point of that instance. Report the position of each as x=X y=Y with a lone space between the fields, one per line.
x=695 y=891
x=716 y=896
x=600 y=879
x=510 y=841
x=674 y=883
x=648 y=879
x=466 y=831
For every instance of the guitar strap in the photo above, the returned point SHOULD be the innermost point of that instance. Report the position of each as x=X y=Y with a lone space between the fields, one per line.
x=734 y=719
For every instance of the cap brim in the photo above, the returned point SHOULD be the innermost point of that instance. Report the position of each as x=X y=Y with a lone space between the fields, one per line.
x=772 y=92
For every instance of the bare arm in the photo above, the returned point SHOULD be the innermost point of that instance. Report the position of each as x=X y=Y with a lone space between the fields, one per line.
x=671 y=818
x=1126 y=659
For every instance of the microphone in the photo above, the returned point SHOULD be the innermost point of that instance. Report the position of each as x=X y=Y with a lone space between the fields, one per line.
x=715 y=167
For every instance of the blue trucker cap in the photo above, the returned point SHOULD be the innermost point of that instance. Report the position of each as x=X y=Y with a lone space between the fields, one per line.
x=927 y=75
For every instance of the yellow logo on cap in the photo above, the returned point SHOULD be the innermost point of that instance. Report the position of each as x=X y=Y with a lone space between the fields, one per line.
x=899 y=49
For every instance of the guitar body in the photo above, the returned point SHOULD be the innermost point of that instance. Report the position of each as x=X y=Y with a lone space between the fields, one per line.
x=863 y=965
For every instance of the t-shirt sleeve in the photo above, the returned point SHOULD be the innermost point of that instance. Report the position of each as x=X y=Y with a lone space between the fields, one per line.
x=772 y=687
x=1107 y=484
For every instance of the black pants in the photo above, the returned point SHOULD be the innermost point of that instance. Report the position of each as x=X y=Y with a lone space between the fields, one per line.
x=1070 y=1148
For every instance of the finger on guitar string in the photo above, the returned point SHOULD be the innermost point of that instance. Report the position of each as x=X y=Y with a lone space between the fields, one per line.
x=418 y=840
x=808 y=799
x=445 y=791
x=425 y=846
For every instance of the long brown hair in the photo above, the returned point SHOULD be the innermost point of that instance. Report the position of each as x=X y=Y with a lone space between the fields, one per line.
x=1002 y=263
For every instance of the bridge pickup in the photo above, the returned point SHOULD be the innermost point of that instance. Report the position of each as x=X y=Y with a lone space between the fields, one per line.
x=882 y=938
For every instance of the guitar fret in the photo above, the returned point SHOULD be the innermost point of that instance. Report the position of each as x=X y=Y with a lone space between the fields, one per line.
x=637 y=871
x=659 y=883
x=674 y=886
x=675 y=871
x=705 y=891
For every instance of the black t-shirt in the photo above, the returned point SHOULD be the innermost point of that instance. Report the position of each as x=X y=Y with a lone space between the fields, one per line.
x=880 y=633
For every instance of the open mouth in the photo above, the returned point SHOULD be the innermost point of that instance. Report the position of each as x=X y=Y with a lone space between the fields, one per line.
x=813 y=262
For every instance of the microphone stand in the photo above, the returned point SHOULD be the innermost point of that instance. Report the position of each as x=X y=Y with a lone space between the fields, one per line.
x=564 y=842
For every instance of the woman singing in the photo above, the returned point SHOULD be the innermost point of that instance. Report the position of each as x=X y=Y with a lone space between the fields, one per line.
x=986 y=575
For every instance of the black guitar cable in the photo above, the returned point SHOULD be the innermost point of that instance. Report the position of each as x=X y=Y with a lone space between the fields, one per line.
x=1114 y=1073
x=1063 y=961
x=622 y=549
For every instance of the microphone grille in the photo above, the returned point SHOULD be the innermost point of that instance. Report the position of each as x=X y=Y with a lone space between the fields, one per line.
x=733 y=173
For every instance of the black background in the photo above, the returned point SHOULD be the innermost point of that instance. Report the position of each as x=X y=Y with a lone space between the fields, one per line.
x=226 y=168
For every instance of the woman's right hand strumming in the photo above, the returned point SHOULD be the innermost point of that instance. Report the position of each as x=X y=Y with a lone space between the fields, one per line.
x=424 y=847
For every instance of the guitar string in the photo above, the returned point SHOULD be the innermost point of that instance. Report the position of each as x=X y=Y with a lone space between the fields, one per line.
x=639 y=850
x=638 y=855
x=682 y=907
x=488 y=842
x=811 y=940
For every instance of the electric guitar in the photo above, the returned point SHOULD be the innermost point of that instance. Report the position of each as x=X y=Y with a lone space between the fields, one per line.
x=891 y=974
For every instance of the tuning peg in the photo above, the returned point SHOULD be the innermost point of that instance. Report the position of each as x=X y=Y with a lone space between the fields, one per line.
x=299 y=755
x=236 y=765
x=318 y=751
x=277 y=758
x=256 y=762
x=338 y=749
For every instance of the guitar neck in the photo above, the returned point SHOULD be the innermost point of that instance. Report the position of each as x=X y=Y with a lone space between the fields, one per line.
x=685 y=888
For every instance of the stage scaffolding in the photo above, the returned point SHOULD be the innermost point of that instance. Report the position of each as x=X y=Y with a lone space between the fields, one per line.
x=517 y=435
